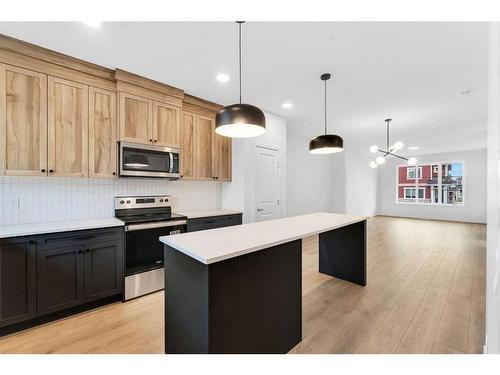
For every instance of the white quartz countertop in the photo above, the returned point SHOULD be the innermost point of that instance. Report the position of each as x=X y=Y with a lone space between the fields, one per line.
x=193 y=214
x=57 y=226
x=214 y=245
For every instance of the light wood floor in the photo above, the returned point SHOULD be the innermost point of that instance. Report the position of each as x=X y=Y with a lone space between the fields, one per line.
x=425 y=294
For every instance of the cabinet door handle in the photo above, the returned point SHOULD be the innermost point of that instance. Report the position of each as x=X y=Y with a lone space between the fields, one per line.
x=150 y=139
x=80 y=251
x=114 y=173
x=87 y=250
x=43 y=170
x=32 y=242
x=155 y=141
x=84 y=238
x=51 y=170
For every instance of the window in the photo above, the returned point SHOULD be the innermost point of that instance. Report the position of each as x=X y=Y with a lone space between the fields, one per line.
x=421 y=193
x=409 y=193
x=410 y=173
x=436 y=183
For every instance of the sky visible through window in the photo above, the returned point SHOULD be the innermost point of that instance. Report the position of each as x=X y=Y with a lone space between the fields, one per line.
x=456 y=169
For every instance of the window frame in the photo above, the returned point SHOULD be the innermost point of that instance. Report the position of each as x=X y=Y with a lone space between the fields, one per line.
x=415 y=184
x=410 y=188
x=419 y=190
x=418 y=174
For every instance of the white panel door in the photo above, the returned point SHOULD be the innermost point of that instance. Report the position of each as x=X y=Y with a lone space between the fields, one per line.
x=266 y=184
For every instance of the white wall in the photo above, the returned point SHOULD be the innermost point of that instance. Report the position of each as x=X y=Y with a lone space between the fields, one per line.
x=361 y=181
x=341 y=183
x=493 y=248
x=309 y=177
x=39 y=199
x=239 y=193
x=338 y=183
x=474 y=207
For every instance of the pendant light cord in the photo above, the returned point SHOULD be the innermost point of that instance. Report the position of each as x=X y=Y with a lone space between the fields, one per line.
x=325 y=110
x=239 y=57
x=388 y=134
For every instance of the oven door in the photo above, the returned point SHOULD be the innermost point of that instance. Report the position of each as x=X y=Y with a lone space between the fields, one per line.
x=137 y=160
x=143 y=249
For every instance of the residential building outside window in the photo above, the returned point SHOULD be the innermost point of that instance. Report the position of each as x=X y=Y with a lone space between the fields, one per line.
x=436 y=183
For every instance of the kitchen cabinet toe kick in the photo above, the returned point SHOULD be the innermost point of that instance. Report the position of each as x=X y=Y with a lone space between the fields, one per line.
x=251 y=303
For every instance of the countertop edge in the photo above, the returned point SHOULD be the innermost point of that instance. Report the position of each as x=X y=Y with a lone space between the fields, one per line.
x=164 y=240
x=59 y=230
x=200 y=214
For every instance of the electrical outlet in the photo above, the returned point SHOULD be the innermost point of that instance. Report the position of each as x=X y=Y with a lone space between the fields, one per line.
x=14 y=203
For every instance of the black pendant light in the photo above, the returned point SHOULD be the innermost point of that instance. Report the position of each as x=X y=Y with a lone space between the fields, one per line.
x=326 y=143
x=240 y=120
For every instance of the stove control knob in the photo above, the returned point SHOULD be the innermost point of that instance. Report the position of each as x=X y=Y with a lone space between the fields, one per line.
x=121 y=202
x=166 y=200
x=128 y=202
x=161 y=200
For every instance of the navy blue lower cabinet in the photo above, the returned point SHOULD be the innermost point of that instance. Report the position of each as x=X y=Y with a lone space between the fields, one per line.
x=212 y=222
x=46 y=276
x=17 y=279
x=103 y=272
x=78 y=267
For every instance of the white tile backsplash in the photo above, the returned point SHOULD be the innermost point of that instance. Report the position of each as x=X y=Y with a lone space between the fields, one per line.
x=38 y=199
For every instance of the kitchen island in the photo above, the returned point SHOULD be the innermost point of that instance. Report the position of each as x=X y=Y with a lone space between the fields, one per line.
x=239 y=289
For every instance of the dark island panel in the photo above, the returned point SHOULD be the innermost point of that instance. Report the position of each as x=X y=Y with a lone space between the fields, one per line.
x=342 y=253
x=247 y=304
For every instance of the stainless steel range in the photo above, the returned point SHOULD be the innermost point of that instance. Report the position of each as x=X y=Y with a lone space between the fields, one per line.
x=146 y=219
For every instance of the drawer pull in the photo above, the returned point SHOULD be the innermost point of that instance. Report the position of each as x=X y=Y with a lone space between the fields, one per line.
x=84 y=238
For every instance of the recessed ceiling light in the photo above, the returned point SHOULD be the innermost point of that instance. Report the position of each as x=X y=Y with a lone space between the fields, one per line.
x=222 y=77
x=287 y=105
x=413 y=148
x=93 y=24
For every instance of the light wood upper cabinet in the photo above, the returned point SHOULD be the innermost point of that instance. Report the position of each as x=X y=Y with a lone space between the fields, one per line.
x=187 y=145
x=221 y=157
x=102 y=133
x=205 y=155
x=67 y=128
x=135 y=117
x=203 y=133
x=23 y=122
x=166 y=125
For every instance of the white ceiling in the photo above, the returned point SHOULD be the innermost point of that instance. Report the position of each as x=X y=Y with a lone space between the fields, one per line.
x=412 y=72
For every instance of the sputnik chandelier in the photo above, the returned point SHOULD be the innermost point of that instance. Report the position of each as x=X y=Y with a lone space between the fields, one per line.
x=389 y=150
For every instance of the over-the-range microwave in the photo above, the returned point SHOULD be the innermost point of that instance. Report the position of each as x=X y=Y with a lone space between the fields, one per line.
x=139 y=160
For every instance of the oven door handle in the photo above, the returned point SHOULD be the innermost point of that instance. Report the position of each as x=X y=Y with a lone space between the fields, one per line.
x=171 y=157
x=160 y=224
